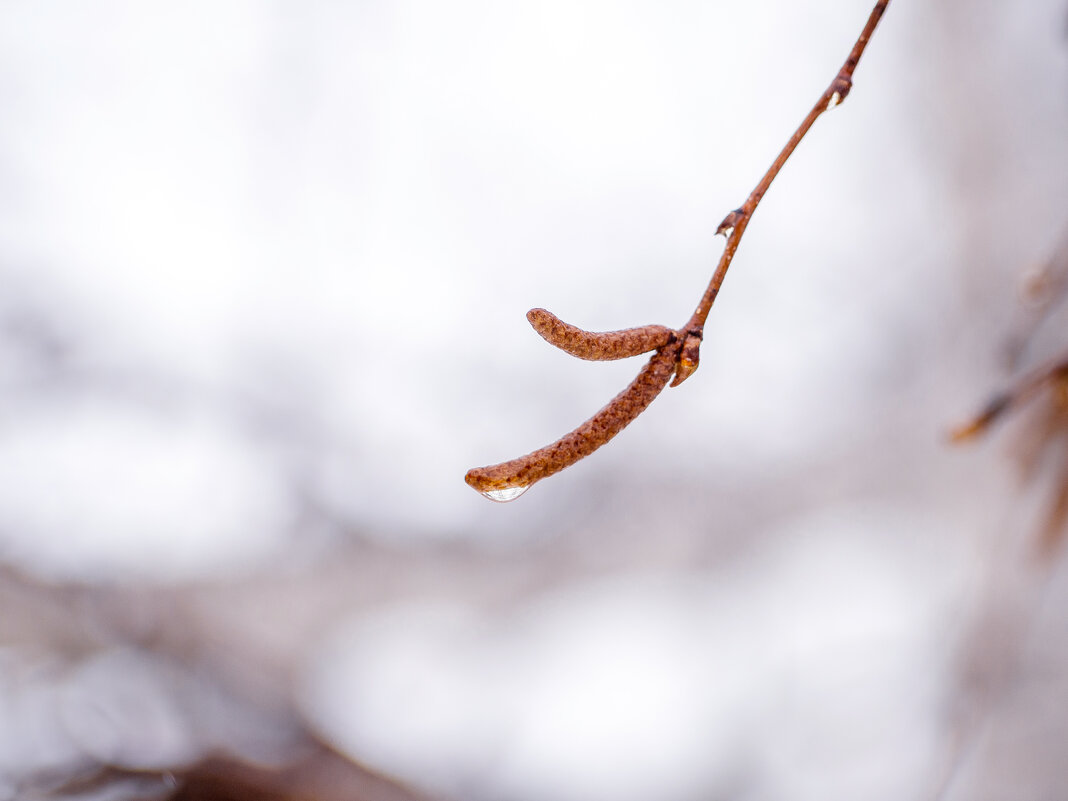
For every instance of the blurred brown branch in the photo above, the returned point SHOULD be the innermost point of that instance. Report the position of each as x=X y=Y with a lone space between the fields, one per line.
x=1039 y=397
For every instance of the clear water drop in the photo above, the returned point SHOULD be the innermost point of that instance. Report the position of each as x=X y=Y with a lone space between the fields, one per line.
x=506 y=494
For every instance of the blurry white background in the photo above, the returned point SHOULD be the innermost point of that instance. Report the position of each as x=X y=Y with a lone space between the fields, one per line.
x=264 y=271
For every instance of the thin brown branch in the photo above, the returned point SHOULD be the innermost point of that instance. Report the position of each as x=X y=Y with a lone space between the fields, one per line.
x=735 y=223
x=678 y=352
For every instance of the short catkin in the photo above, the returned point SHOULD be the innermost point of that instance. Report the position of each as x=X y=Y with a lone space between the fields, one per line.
x=588 y=437
x=598 y=346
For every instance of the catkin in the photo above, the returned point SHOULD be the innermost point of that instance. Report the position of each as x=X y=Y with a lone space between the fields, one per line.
x=598 y=346
x=585 y=439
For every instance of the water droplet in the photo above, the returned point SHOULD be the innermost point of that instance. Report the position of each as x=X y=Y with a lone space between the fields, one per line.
x=506 y=494
x=834 y=101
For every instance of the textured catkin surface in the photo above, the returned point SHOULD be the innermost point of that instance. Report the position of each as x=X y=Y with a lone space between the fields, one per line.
x=598 y=346
x=588 y=437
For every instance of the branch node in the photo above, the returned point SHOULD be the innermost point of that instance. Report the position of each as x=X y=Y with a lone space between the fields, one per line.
x=839 y=89
x=689 y=356
x=730 y=222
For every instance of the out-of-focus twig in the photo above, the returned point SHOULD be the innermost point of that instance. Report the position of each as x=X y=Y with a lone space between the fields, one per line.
x=1043 y=438
x=1043 y=392
x=1024 y=389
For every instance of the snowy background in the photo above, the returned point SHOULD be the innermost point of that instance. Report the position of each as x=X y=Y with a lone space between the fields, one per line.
x=264 y=272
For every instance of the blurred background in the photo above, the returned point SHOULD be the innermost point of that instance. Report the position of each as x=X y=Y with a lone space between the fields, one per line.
x=264 y=271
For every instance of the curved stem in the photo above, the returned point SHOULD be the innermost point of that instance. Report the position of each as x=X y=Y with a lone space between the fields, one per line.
x=735 y=223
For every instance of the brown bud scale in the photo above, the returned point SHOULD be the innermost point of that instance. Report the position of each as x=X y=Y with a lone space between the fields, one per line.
x=689 y=357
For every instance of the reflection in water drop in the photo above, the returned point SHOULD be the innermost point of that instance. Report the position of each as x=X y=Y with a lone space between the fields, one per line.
x=506 y=494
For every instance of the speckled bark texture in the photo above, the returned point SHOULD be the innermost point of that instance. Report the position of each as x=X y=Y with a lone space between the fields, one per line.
x=588 y=437
x=598 y=346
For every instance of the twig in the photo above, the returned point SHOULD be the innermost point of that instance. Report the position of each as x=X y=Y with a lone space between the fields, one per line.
x=1045 y=432
x=998 y=405
x=678 y=354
